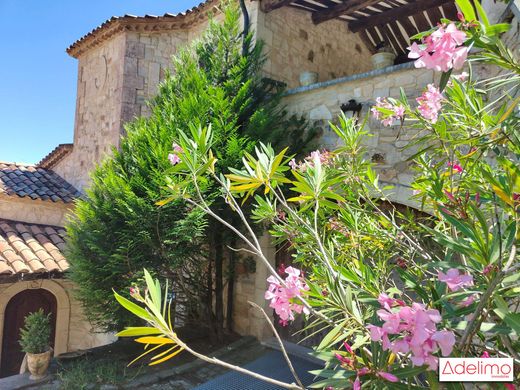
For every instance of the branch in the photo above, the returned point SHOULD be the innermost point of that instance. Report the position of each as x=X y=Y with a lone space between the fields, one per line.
x=285 y=355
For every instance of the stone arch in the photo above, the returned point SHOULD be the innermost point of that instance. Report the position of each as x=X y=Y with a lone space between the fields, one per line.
x=62 y=310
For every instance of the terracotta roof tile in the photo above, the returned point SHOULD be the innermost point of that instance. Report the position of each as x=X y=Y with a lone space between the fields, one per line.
x=29 y=248
x=57 y=154
x=119 y=23
x=35 y=182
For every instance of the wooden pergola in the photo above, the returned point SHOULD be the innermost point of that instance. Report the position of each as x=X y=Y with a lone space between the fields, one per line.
x=376 y=21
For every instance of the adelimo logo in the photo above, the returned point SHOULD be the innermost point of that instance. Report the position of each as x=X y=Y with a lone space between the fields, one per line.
x=476 y=370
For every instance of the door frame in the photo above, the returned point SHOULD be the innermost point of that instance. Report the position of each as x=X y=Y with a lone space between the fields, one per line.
x=61 y=338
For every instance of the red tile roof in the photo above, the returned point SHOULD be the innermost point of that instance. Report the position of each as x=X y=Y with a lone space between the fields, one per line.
x=148 y=23
x=55 y=156
x=28 y=248
x=33 y=182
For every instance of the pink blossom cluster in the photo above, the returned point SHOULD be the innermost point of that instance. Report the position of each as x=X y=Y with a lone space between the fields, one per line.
x=285 y=298
x=387 y=119
x=455 y=167
x=455 y=280
x=323 y=156
x=442 y=50
x=430 y=103
x=416 y=328
x=174 y=157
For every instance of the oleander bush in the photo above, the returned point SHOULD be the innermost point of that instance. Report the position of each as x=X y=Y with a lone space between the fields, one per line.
x=393 y=293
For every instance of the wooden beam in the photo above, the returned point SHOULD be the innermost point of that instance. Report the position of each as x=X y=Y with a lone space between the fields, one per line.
x=345 y=8
x=395 y=13
x=270 y=5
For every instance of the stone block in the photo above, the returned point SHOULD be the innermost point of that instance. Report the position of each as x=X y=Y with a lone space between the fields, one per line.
x=129 y=95
x=381 y=92
x=405 y=179
x=135 y=49
x=320 y=113
x=130 y=66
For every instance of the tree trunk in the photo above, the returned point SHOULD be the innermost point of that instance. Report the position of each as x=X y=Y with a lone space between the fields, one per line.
x=209 y=286
x=231 y=287
x=219 y=293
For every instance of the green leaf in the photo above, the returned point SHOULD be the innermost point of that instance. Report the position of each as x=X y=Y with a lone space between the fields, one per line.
x=138 y=331
x=335 y=374
x=513 y=320
x=339 y=383
x=132 y=307
x=154 y=289
x=481 y=13
x=467 y=9
x=331 y=336
x=445 y=77
x=408 y=371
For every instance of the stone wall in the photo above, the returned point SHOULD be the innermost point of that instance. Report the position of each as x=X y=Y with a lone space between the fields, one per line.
x=321 y=103
x=251 y=286
x=98 y=119
x=294 y=44
x=73 y=331
x=34 y=211
x=147 y=57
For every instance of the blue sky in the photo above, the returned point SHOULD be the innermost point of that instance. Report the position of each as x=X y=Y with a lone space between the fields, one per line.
x=37 y=77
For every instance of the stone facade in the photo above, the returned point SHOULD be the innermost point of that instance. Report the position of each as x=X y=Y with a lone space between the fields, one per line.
x=99 y=116
x=321 y=103
x=294 y=44
x=34 y=211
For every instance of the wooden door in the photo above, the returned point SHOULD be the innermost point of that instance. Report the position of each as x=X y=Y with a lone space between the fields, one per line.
x=22 y=304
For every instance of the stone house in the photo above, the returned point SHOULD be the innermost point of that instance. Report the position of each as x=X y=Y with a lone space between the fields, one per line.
x=120 y=64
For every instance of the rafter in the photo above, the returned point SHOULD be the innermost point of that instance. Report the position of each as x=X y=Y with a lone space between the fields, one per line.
x=271 y=5
x=345 y=8
x=395 y=13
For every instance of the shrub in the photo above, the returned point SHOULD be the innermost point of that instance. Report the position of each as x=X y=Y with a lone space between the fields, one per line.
x=36 y=333
x=118 y=228
x=391 y=305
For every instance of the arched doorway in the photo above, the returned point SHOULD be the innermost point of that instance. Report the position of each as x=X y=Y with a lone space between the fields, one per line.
x=23 y=303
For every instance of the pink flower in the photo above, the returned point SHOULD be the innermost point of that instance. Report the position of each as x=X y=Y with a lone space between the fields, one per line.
x=347 y=347
x=415 y=331
x=442 y=50
x=488 y=269
x=455 y=167
x=386 y=118
x=485 y=354
x=176 y=148
x=387 y=376
x=293 y=164
x=174 y=159
x=343 y=359
x=445 y=340
x=469 y=300
x=285 y=298
x=455 y=280
x=430 y=103
x=357 y=384
x=283 y=323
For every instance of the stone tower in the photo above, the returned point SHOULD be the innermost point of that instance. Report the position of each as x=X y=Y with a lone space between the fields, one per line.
x=120 y=64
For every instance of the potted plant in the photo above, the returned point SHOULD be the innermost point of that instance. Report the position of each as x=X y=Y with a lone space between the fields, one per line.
x=34 y=339
x=383 y=57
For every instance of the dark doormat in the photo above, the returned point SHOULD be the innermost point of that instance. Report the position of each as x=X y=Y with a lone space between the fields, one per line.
x=271 y=364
